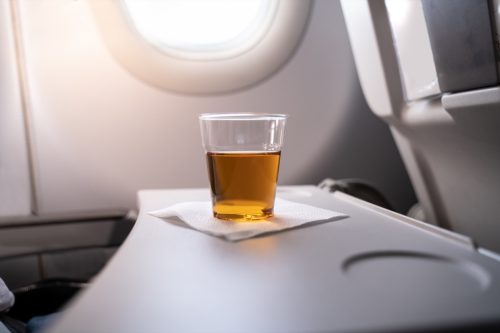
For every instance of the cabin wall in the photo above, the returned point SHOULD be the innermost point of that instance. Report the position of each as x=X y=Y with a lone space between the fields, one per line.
x=15 y=187
x=98 y=134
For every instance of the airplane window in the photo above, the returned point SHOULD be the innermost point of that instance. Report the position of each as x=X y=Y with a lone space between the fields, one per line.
x=202 y=46
x=201 y=28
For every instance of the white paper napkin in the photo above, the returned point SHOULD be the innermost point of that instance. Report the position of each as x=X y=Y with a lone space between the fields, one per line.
x=287 y=214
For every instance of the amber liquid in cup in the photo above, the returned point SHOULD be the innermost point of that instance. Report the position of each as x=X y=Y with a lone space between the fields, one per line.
x=243 y=184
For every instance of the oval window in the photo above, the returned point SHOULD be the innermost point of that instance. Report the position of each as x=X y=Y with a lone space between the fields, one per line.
x=200 y=29
x=202 y=46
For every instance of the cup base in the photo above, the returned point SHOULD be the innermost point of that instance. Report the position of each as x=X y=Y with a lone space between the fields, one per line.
x=242 y=210
x=243 y=218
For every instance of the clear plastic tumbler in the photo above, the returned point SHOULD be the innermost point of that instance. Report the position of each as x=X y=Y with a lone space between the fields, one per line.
x=243 y=153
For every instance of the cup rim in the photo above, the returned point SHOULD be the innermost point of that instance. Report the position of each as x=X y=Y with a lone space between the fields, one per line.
x=243 y=116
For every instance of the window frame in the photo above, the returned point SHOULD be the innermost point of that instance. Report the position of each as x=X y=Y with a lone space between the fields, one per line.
x=202 y=76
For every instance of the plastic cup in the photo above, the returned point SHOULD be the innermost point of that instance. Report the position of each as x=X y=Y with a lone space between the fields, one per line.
x=243 y=152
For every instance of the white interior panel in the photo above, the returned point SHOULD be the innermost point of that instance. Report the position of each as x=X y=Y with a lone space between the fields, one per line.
x=99 y=134
x=411 y=40
x=15 y=192
x=363 y=43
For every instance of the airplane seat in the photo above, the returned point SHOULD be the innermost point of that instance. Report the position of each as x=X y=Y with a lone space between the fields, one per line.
x=429 y=69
